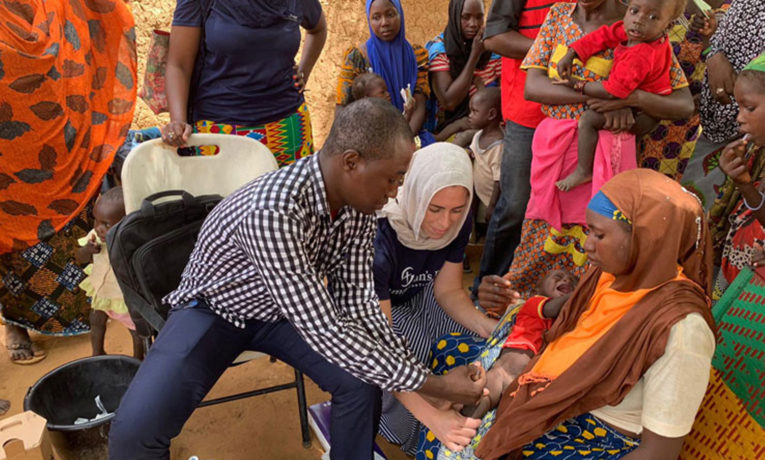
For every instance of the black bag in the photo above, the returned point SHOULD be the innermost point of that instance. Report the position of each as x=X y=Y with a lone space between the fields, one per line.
x=149 y=250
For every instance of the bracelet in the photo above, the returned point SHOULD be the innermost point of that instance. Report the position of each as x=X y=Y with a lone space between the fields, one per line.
x=579 y=86
x=762 y=201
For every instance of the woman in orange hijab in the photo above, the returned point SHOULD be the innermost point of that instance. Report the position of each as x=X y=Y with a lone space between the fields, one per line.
x=627 y=361
x=67 y=90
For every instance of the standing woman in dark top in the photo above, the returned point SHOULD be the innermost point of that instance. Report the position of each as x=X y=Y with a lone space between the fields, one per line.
x=247 y=82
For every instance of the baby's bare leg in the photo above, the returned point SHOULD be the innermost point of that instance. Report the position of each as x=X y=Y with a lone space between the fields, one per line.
x=98 y=331
x=589 y=124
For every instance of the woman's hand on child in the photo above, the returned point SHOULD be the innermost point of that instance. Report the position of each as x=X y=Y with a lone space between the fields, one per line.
x=495 y=294
x=734 y=164
x=565 y=64
x=609 y=105
x=176 y=133
x=619 y=121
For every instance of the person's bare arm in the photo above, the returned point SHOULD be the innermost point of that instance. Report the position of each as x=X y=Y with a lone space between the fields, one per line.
x=453 y=128
x=312 y=46
x=419 y=114
x=181 y=56
x=675 y=106
x=454 y=300
x=552 y=307
x=495 y=191
x=655 y=447
x=539 y=88
x=386 y=308
x=510 y=44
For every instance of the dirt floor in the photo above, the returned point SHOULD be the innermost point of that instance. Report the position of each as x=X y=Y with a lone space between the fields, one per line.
x=261 y=427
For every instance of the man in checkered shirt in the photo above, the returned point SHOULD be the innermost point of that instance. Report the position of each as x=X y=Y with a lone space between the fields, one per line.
x=255 y=281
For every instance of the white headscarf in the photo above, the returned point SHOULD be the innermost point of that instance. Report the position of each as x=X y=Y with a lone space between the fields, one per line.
x=433 y=168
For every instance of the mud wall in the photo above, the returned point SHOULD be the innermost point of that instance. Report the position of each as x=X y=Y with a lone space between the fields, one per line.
x=347 y=26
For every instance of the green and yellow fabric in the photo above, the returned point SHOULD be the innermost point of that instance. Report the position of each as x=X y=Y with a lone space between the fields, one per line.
x=731 y=421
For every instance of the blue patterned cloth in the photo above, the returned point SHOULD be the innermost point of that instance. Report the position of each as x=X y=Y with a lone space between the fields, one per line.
x=581 y=437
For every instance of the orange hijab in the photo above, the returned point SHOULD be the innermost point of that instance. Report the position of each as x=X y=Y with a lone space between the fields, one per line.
x=670 y=278
x=67 y=92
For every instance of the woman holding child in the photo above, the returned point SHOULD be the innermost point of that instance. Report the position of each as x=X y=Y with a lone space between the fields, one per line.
x=420 y=242
x=388 y=54
x=626 y=363
x=553 y=231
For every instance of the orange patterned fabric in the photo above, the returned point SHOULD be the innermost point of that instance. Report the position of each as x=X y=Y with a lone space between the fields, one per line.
x=67 y=91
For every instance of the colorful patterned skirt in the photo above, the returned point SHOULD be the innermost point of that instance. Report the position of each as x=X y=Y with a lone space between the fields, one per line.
x=39 y=288
x=423 y=322
x=543 y=248
x=289 y=139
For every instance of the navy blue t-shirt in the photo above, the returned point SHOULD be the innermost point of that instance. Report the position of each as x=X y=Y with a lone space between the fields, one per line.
x=400 y=272
x=251 y=45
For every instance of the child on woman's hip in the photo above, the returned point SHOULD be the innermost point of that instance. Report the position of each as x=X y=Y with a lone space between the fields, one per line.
x=642 y=61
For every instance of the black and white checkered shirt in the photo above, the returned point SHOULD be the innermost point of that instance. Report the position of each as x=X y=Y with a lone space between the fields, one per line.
x=264 y=252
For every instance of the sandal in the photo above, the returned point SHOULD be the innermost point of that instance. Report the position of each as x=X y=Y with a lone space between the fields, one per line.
x=37 y=355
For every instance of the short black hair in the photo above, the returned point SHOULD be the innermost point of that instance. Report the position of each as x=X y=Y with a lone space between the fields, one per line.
x=491 y=96
x=755 y=76
x=361 y=84
x=114 y=195
x=370 y=126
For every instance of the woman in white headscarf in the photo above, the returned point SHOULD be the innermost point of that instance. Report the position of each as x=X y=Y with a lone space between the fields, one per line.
x=420 y=243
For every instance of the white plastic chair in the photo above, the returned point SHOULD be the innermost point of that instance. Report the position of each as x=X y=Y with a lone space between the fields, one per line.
x=154 y=166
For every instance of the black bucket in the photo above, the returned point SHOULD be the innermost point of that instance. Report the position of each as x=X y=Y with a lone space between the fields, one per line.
x=68 y=392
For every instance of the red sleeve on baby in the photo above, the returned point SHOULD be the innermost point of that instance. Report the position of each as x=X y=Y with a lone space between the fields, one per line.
x=530 y=325
x=599 y=40
x=645 y=66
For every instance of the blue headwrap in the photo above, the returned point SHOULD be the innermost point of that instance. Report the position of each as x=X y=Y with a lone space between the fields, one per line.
x=394 y=61
x=605 y=207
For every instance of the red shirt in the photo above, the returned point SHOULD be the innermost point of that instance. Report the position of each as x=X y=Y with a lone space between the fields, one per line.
x=530 y=326
x=643 y=66
x=515 y=107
